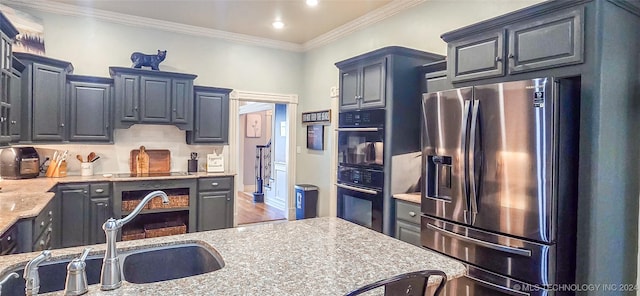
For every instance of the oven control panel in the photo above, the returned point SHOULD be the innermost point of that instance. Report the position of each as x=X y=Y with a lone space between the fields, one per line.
x=362 y=118
x=360 y=176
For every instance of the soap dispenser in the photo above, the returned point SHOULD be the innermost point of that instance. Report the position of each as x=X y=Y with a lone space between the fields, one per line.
x=76 y=283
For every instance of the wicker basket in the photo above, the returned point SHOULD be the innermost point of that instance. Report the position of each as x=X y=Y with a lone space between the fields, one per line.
x=129 y=205
x=175 y=201
x=164 y=229
x=133 y=233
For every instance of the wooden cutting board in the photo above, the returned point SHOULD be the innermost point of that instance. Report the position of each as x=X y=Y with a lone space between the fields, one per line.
x=159 y=160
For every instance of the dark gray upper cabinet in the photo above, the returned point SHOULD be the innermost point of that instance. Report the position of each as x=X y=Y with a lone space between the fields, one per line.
x=215 y=203
x=155 y=99
x=43 y=105
x=15 y=92
x=363 y=86
x=211 y=116
x=7 y=33
x=152 y=97
x=548 y=40
x=372 y=79
x=89 y=107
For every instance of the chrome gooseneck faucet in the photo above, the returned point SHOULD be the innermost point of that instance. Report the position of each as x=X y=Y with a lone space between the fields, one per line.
x=31 y=275
x=111 y=276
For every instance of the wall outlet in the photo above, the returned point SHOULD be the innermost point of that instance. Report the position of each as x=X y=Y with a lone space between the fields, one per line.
x=333 y=92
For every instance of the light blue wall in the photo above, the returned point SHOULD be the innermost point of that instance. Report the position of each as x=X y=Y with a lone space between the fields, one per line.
x=93 y=45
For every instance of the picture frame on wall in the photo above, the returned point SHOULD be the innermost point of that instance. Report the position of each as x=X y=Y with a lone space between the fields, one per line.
x=254 y=125
x=315 y=137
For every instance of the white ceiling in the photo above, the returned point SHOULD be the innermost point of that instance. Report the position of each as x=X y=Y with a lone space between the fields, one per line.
x=247 y=17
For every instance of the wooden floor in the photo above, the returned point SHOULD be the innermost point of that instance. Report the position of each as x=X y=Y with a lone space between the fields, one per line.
x=250 y=212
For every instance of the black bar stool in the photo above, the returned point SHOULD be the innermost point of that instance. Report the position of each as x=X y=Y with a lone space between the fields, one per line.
x=407 y=284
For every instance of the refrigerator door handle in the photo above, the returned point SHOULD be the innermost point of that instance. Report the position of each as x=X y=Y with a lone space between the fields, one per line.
x=473 y=188
x=465 y=156
x=498 y=287
x=498 y=247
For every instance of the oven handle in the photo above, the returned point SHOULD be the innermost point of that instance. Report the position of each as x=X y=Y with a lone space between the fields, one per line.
x=358 y=129
x=490 y=245
x=362 y=190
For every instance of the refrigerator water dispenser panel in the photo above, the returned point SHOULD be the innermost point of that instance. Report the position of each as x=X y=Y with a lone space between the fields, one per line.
x=439 y=176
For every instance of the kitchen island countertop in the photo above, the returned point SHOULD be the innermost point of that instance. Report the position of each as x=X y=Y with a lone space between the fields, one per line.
x=320 y=256
x=26 y=198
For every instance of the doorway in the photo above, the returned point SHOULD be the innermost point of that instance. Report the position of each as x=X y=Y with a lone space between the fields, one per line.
x=264 y=123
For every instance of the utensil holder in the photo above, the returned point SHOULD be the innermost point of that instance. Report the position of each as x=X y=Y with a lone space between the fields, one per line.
x=86 y=169
x=192 y=165
x=60 y=170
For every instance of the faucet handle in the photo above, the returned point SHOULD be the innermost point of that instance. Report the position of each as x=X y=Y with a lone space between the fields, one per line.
x=7 y=278
x=76 y=283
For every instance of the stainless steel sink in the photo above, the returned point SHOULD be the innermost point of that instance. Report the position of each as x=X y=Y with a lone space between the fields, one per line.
x=169 y=263
x=52 y=276
x=146 y=265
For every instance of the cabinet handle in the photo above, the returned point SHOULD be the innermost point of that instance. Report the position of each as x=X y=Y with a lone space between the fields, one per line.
x=42 y=243
x=412 y=214
x=175 y=110
x=13 y=122
x=214 y=184
x=512 y=56
x=62 y=125
x=85 y=192
x=42 y=224
x=498 y=59
x=8 y=238
x=50 y=213
x=228 y=198
x=100 y=190
x=135 y=108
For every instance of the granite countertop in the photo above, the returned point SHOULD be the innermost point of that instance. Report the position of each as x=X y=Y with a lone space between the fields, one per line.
x=26 y=198
x=410 y=197
x=320 y=256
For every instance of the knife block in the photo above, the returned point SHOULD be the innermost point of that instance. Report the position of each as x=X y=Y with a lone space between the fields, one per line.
x=56 y=170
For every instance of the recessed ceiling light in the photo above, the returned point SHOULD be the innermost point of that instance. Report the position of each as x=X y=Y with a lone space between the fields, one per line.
x=278 y=24
x=312 y=2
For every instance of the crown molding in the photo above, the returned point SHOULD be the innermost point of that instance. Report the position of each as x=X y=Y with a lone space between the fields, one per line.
x=241 y=95
x=362 y=22
x=372 y=17
x=136 y=21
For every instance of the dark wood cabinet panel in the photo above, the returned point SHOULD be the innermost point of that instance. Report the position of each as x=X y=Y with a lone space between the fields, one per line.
x=90 y=109
x=349 y=89
x=552 y=41
x=100 y=211
x=44 y=113
x=15 y=93
x=152 y=97
x=155 y=99
x=478 y=56
x=215 y=208
x=127 y=89
x=74 y=214
x=211 y=116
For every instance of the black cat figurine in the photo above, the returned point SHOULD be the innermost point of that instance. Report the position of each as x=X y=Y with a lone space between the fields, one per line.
x=148 y=60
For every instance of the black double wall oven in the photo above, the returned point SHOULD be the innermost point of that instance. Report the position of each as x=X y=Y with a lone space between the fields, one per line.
x=360 y=167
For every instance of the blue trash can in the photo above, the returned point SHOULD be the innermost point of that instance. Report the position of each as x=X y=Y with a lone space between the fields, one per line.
x=306 y=201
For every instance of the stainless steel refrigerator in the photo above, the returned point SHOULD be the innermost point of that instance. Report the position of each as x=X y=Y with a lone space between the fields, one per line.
x=499 y=166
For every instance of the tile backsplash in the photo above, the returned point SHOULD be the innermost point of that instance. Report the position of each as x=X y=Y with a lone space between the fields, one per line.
x=114 y=158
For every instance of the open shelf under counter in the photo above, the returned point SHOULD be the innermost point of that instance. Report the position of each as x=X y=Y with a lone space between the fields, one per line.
x=152 y=211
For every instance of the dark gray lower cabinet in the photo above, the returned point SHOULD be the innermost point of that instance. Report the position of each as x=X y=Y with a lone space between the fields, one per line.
x=100 y=211
x=90 y=108
x=215 y=208
x=83 y=210
x=408 y=222
x=74 y=212
x=211 y=116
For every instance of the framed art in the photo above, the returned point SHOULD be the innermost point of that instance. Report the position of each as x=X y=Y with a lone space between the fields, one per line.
x=254 y=125
x=315 y=137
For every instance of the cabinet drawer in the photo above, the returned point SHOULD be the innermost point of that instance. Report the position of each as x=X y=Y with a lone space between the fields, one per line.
x=43 y=220
x=408 y=211
x=8 y=241
x=100 y=190
x=408 y=232
x=552 y=41
x=214 y=184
